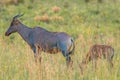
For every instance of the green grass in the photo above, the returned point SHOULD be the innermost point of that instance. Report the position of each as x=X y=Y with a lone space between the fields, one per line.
x=88 y=23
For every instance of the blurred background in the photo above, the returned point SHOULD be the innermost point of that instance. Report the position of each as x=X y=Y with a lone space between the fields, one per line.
x=87 y=21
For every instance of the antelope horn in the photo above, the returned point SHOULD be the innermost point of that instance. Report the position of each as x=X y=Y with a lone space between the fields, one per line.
x=17 y=16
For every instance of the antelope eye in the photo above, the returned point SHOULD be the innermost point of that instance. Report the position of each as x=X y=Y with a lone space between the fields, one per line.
x=16 y=22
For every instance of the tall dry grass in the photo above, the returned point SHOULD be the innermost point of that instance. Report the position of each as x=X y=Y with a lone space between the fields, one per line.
x=83 y=21
x=17 y=61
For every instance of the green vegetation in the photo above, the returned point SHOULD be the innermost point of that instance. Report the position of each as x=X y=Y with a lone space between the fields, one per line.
x=88 y=23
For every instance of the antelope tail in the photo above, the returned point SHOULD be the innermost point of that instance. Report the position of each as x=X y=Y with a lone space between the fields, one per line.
x=72 y=51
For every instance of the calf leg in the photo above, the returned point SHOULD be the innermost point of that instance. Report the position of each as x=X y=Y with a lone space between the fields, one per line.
x=94 y=64
x=110 y=62
x=109 y=58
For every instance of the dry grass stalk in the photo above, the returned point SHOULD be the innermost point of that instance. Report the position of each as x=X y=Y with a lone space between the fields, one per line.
x=44 y=18
x=56 y=9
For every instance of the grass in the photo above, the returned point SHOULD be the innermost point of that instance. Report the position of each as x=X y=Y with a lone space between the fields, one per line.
x=88 y=23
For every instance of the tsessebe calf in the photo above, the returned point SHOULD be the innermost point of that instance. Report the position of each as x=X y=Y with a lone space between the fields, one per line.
x=98 y=51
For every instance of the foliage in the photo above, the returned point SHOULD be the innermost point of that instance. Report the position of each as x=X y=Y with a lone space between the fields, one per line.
x=88 y=23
